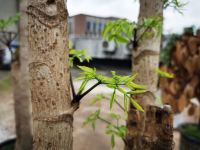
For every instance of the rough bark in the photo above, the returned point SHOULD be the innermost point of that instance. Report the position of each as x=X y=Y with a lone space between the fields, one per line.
x=49 y=71
x=145 y=59
x=158 y=130
x=19 y=69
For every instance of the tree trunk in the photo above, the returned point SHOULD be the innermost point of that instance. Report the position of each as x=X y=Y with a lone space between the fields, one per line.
x=19 y=69
x=49 y=71
x=145 y=59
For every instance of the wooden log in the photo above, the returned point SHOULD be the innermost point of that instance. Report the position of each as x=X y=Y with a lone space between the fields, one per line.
x=193 y=45
x=180 y=54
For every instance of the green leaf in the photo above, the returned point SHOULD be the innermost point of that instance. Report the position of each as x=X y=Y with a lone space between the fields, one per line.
x=134 y=86
x=164 y=74
x=136 y=105
x=82 y=87
x=125 y=103
x=113 y=99
x=121 y=90
x=114 y=115
x=137 y=92
x=122 y=39
x=86 y=69
x=91 y=119
x=113 y=140
x=97 y=98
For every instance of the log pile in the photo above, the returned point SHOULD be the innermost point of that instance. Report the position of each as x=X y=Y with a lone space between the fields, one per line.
x=185 y=65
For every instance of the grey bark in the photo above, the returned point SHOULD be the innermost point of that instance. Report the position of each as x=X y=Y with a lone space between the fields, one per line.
x=19 y=69
x=145 y=59
x=49 y=71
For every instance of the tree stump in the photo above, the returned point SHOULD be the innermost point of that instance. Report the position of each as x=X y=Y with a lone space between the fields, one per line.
x=157 y=133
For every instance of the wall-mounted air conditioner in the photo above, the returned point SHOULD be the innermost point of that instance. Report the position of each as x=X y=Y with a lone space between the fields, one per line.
x=109 y=47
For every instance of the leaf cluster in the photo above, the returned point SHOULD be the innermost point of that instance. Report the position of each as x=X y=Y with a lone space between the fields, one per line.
x=164 y=74
x=81 y=55
x=175 y=4
x=111 y=129
x=122 y=84
x=151 y=26
x=119 y=31
x=4 y=23
x=123 y=31
x=92 y=118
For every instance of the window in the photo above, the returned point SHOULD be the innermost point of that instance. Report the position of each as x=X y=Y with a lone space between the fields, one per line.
x=88 y=26
x=94 y=27
x=100 y=28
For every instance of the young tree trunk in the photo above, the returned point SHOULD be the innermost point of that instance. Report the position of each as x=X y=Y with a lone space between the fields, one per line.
x=19 y=69
x=145 y=59
x=49 y=71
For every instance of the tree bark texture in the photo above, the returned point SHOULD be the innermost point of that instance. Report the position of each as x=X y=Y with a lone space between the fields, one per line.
x=145 y=59
x=22 y=103
x=49 y=71
x=158 y=129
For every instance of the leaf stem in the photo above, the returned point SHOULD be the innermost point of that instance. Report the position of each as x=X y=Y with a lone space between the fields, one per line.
x=120 y=106
x=105 y=121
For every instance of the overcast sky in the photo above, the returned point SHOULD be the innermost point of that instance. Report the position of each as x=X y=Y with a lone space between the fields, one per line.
x=174 y=22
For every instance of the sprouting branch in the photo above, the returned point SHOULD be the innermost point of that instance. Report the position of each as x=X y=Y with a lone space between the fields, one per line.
x=78 y=98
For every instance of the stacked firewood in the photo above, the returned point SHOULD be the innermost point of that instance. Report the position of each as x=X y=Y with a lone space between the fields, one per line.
x=185 y=65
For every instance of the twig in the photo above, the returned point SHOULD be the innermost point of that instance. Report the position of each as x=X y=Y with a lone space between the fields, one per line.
x=119 y=105
x=103 y=120
x=78 y=98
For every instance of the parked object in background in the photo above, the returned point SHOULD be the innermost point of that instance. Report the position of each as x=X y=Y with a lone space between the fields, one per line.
x=6 y=56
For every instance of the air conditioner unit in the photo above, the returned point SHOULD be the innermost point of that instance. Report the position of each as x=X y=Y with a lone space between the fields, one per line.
x=109 y=47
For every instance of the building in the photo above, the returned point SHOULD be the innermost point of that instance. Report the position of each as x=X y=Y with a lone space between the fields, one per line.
x=85 y=33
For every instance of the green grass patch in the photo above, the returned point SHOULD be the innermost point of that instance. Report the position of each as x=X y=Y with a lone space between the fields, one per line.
x=6 y=83
x=191 y=131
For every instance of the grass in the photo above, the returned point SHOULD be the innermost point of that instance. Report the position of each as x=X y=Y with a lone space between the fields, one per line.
x=191 y=131
x=5 y=82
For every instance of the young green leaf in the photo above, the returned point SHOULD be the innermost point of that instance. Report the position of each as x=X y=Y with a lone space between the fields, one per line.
x=136 y=105
x=137 y=92
x=82 y=87
x=125 y=103
x=113 y=140
x=114 y=115
x=164 y=74
x=113 y=99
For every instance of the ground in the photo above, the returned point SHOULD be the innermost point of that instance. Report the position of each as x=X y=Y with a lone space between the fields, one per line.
x=84 y=137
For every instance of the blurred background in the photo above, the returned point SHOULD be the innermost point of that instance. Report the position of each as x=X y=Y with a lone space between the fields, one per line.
x=180 y=55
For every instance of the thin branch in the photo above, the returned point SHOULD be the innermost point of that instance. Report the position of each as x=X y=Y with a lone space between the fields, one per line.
x=120 y=106
x=72 y=86
x=135 y=42
x=105 y=121
x=78 y=98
